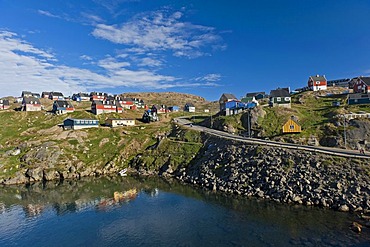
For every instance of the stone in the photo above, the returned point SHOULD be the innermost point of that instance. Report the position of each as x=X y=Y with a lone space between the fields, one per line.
x=343 y=208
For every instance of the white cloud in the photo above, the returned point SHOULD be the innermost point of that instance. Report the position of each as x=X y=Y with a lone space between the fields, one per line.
x=209 y=78
x=162 y=31
x=86 y=57
x=47 y=13
x=25 y=67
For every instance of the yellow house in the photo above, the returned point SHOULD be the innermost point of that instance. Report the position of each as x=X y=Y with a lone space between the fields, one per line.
x=291 y=127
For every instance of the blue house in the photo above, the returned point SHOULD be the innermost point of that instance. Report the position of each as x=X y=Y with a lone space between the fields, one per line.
x=75 y=124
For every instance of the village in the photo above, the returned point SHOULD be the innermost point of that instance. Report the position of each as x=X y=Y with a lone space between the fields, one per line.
x=356 y=89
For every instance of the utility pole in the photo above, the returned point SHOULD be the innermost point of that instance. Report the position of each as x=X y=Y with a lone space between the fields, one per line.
x=249 y=123
x=344 y=129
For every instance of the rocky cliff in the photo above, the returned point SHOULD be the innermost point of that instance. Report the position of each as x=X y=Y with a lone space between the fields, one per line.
x=282 y=175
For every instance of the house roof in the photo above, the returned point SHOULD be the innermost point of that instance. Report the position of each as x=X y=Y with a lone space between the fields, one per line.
x=56 y=94
x=189 y=104
x=83 y=94
x=366 y=80
x=254 y=94
x=75 y=119
x=63 y=103
x=358 y=95
x=47 y=93
x=107 y=102
x=229 y=96
x=280 y=92
x=28 y=100
x=318 y=78
x=126 y=119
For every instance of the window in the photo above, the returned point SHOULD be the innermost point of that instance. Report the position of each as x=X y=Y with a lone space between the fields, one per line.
x=278 y=99
x=77 y=121
x=291 y=127
x=287 y=99
x=317 y=82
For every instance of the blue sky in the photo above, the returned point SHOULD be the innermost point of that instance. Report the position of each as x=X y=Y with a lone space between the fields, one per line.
x=203 y=47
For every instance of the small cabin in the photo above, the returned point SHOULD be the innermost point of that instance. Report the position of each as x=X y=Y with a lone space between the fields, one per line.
x=291 y=126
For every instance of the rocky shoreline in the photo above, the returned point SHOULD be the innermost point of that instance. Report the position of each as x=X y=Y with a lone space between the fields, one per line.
x=282 y=175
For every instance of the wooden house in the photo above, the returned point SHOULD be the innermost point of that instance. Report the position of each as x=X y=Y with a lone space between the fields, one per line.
x=56 y=96
x=62 y=107
x=26 y=94
x=226 y=97
x=256 y=95
x=317 y=83
x=75 y=124
x=31 y=104
x=127 y=103
x=291 y=126
x=280 y=97
x=358 y=98
x=361 y=84
x=106 y=106
x=174 y=108
x=4 y=104
x=45 y=95
x=81 y=97
x=114 y=122
x=98 y=96
x=189 y=107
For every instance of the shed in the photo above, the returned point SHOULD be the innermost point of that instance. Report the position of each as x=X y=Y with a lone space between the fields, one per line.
x=291 y=126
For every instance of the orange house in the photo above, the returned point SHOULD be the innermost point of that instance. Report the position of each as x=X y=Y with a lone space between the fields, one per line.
x=291 y=127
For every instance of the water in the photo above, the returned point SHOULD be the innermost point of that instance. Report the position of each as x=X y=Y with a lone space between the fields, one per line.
x=84 y=213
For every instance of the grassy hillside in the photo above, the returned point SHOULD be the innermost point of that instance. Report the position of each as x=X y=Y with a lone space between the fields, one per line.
x=313 y=111
x=40 y=138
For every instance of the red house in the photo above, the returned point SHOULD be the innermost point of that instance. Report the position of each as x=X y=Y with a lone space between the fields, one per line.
x=107 y=106
x=317 y=83
x=98 y=96
x=361 y=84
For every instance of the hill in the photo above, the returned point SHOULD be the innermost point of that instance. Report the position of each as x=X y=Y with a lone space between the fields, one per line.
x=321 y=122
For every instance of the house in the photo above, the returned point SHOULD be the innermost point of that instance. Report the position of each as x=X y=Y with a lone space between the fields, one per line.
x=62 y=107
x=26 y=94
x=226 y=97
x=174 y=108
x=291 y=126
x=106 y=106
x=127 y=103
x=361 y=84
x=81 y=97
x=36 y=95
x=317 y=83
x=56 y=96
x=358 y=98
x=189 y=107
x=98 y=96
x=139 y=103
x=75 y=124
x=31 y=104
x=161 y=108
x=45 y=95
x=257 y=95
x=339 y=83
x=4 y=104
x=114 y=122
x=280 y=97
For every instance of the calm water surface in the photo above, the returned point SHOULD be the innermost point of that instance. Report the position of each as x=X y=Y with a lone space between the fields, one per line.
x=85 y=213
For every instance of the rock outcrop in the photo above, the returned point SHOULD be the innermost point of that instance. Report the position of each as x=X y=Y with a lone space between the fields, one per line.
x=282 y=175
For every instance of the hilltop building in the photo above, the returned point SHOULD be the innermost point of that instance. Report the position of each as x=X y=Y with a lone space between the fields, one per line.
x=317 y=83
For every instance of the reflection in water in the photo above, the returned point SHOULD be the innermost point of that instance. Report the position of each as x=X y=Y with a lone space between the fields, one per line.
x=152 y=212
